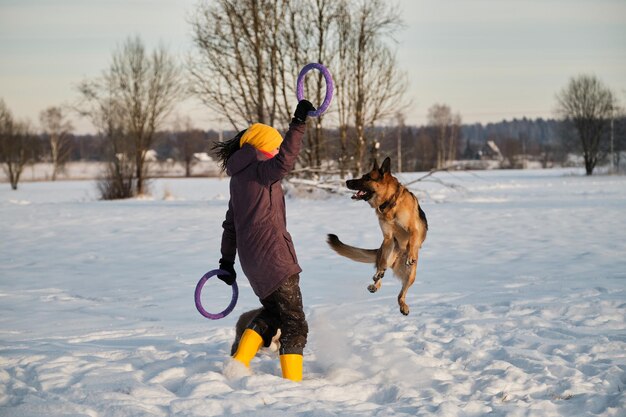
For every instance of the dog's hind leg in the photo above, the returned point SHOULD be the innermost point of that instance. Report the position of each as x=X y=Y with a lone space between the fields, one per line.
x=378 y=280
x=385 y=257
x=406 y=284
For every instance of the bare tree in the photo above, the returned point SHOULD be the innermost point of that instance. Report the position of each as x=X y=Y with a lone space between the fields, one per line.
x=188 y=141
x=56 y=126
x=101 y=106
x=446 y=128
x=131 y=100
x=119 y=179
x=148 y=86
x=239 y=68
x=377 y=87
x=248 y=55
x=310 y=40
x=618 y=133
x=341 y=75
x=399 y=129
x=17 y=145
x=588 y=105
x=455 y=137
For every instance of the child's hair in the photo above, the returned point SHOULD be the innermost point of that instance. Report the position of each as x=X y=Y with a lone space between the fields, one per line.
x=225 y=150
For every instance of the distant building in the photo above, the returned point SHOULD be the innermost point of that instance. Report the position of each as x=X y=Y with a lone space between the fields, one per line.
x=202 y=157
x=488 y=156
x=490 y=151
x=151 y=155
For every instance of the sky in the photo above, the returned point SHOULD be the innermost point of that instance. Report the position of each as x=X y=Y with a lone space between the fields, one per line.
x=488 y=60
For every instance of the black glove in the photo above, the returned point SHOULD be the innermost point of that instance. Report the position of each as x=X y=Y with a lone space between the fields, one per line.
x=302 y=111
x=230 y=268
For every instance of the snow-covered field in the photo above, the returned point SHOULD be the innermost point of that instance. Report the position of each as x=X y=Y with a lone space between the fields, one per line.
x=42 y=171
x=518 y=309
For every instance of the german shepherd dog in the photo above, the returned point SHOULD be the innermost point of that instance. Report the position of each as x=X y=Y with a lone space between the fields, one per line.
x=402 y=221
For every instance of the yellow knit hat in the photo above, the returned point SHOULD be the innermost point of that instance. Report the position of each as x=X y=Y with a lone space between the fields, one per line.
x=263 y=137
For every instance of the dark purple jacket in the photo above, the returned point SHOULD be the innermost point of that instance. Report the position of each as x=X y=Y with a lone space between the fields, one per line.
x=256 y=225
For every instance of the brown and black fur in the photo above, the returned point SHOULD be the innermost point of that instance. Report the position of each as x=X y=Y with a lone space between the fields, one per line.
x=242 y=324
x=402 y=222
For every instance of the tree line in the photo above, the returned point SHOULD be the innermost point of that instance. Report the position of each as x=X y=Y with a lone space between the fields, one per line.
x=246 y=57
x=250 y=52
x=412 y=148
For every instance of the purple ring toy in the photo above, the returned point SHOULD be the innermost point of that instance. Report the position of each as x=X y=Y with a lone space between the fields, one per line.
x=233 y=301
x=329 y=87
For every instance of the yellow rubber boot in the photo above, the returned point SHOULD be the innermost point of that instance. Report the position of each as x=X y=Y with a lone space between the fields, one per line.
x=291 y=364
x=249 y=345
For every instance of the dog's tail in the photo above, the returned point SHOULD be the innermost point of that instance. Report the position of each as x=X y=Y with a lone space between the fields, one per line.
x=356 y=254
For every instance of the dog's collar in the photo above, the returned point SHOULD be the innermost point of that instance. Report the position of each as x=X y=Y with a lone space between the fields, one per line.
x=391 y=203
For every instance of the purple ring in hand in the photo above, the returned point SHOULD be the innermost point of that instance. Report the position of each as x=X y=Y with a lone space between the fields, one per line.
x=329 y=87
x=233 y=301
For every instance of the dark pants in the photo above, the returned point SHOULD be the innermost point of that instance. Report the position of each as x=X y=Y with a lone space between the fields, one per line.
x=283 y=310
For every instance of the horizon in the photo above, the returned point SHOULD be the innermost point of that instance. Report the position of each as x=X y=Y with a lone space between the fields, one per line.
x=228 y=129
x=490 y=61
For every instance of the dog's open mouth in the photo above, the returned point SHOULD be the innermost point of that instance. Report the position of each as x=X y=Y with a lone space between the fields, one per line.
x=362 y=195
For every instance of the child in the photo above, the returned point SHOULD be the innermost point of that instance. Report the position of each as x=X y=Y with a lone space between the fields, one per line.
x=255 y=226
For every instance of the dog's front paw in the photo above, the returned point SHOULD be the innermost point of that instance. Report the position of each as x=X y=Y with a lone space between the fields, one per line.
x=372 y=288
x=404 y=309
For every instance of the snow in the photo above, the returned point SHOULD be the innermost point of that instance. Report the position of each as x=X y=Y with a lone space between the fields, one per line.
x=518 y=308
x=83 y=170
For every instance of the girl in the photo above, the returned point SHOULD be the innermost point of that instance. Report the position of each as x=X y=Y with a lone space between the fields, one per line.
x=255 y=227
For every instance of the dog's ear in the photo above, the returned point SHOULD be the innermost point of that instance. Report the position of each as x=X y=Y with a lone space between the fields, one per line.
x=375 y=168
x=386 y=167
